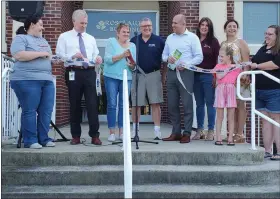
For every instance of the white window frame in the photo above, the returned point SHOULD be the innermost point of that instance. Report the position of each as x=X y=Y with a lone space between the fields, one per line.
x=102 y=43
x=238 y=15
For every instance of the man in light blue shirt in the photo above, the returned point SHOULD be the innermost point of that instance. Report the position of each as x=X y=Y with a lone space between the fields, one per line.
x=181 y=46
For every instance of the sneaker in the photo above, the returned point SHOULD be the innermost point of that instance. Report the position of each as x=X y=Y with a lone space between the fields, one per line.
x=267 y=155
x=157 y=135
x=112 y=138
x=50 y=144
x=121 y=137
x=35 y=146
x=199 y=135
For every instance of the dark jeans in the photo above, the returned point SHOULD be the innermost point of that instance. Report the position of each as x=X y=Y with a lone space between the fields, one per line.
x=204 y=93
x=36 y=98
x=84 y=84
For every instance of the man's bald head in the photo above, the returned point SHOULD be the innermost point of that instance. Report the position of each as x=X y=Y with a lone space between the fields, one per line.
x=179 y=24
x=181 y=18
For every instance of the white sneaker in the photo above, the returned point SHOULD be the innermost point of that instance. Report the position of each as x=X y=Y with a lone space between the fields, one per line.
x=132 y=134
x=121 y=137
x=112 y=138
x=50 y=144
x=157 y=135
x=35 y=146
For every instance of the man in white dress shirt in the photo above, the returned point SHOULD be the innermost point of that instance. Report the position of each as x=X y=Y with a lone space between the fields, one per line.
x=77 y=45
x=188 y=51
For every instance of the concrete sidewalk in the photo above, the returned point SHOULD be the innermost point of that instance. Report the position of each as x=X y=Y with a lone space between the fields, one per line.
x=146 y=131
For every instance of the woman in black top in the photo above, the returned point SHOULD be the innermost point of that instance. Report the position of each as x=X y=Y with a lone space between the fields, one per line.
x=267 y=90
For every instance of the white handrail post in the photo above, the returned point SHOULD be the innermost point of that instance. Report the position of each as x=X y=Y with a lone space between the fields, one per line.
x=126 y=141
x=253 y=106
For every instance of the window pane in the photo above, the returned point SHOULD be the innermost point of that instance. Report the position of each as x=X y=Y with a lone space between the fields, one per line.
x=257 y=16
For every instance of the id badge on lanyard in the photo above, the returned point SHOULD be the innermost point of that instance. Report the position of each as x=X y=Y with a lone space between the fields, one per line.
x=71 y=75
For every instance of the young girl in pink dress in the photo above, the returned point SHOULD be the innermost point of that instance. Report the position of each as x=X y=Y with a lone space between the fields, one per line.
x=225 y=93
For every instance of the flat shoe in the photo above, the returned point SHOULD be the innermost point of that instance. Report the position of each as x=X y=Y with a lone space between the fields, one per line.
x=219 y=143
x=230 y=144
x=276 y=157
x=267 y=155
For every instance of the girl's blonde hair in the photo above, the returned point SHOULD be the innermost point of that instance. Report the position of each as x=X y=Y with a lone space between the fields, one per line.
x=229 y=52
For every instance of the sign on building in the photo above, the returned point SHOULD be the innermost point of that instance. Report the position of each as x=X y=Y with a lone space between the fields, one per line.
x=102 y=24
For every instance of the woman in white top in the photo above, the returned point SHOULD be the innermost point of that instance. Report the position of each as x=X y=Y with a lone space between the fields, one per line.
x=241 y=54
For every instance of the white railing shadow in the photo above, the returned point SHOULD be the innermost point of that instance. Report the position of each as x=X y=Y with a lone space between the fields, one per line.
x=126 y=141
x=253 y=103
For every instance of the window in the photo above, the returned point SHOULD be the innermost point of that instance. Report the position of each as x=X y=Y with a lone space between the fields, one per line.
x=257 y=16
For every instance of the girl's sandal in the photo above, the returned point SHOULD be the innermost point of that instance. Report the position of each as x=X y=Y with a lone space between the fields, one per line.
x=239 y=139
x=276 y=157
x=219 y=143
x=230 y=144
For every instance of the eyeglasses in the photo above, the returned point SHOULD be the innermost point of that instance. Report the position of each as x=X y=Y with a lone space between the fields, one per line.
x=146 y=26
x=268 y=34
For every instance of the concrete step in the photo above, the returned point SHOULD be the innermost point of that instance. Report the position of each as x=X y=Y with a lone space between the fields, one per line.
x=143 y=174
x=141 y=191
x=165 y=153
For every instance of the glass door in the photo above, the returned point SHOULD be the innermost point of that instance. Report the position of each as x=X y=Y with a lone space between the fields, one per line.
x=146 y=115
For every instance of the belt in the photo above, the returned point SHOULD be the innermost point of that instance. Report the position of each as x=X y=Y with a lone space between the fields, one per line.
x=152 y=71
x=80 y=67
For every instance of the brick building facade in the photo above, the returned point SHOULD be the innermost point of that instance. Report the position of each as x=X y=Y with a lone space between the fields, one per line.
x=57 y=19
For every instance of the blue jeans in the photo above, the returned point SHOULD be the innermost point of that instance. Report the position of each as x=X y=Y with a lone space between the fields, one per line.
x=204 y=92
x=113 y=88
x=35 y=97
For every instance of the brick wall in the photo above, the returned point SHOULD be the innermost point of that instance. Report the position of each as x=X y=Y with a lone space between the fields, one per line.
x=191 y=10
x=230 y=9
x=9 y=30
x=57 y=19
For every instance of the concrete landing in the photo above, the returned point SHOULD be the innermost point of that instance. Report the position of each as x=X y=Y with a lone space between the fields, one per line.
x=198 y=152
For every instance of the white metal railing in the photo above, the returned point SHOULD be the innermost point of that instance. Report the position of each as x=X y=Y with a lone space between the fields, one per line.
x=126 y=141
x=10 y=110
x=253 y=103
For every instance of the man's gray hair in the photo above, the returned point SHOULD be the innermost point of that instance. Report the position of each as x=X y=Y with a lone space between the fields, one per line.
x=78 y=13
x=145 y=19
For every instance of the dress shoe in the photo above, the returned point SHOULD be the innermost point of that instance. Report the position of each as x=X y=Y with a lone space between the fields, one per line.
x=96 y=141
x=185 y=139
x=75 y=141
x=173 y=137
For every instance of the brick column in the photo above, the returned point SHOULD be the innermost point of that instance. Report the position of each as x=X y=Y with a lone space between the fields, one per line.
x=230 y=9
x=191 y=10
x=173 y=9
x=163 y=32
